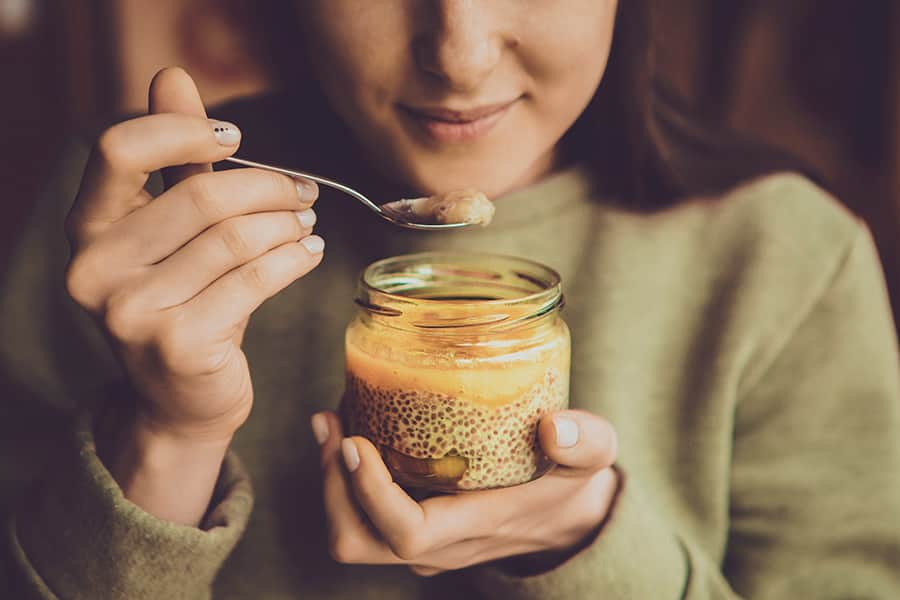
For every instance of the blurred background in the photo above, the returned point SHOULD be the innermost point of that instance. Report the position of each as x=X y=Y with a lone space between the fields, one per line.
x=818 y=77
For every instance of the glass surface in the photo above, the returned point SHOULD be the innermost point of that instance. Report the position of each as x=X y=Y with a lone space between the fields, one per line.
x=451 y=362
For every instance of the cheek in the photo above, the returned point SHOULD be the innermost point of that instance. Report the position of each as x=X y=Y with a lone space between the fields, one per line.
x=358 y=51
x=566 y=59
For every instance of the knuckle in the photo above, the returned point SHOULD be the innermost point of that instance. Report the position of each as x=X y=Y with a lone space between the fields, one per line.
x=200 y=193
x=81 y=281
x=168 y=343
x=344 y=548
x=234 y=241
x=173 y=350
x=182 y=350
x=594 y=501
x=123 y=316
x=114 y=147
x=407 y=546
x=280 y=186
x=606 y=444
x=612 y=444
x=255 y=275
x=423 y=571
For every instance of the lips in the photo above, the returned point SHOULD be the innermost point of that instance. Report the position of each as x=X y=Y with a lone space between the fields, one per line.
x=456 y=125
x=459 y=116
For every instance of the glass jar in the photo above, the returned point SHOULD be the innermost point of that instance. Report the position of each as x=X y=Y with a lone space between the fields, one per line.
x=452 y=360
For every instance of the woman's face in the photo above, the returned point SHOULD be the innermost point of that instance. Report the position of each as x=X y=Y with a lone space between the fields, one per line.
x=445 y=94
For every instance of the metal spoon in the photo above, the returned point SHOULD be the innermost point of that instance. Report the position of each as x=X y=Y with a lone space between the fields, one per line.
x=396 y=212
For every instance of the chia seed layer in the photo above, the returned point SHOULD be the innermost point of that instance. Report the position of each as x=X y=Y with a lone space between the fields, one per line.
x=498 y=443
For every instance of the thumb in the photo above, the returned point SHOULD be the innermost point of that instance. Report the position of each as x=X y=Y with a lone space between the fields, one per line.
x=173 y=91
x=578 y=440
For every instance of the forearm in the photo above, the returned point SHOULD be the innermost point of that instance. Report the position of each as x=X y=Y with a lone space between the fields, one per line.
x=169 y=477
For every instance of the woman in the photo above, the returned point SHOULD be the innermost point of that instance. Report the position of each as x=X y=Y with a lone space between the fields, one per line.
x=733 y=350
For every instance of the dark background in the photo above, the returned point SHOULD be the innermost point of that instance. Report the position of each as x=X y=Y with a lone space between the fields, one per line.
x=818 y=77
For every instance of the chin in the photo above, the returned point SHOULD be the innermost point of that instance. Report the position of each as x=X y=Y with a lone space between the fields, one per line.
x=492 y=177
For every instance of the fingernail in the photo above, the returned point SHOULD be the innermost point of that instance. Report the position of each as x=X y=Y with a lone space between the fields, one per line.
x=566 y=432
x=351 y=454
x=306 y=217
x=227 y=134
x=319 y=427
x=306 y=189
x=314 y=244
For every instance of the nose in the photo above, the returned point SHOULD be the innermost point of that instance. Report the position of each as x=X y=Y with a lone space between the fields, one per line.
x=462 y=46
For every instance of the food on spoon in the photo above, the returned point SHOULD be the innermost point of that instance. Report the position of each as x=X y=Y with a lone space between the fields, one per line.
x=461 y=206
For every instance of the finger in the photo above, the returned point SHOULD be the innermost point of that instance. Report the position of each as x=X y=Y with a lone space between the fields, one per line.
x=220 y=249
x=430 y=531
x=173 y=91
x=578 y=440
x=126 y=154
x=159 y=229
x=398 y=518
x=351 y=538
x=412 y=529
x=233 y=297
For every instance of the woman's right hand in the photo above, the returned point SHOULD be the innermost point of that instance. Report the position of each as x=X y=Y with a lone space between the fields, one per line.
x=174 y=279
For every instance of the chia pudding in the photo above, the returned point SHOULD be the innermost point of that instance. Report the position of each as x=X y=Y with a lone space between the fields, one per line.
x=460 y=428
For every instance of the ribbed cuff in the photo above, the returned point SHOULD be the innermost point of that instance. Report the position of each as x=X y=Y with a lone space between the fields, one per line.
x=81 y=538
x=634 y=556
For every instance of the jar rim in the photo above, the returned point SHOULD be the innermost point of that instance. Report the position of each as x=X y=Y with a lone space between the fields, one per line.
x=411 y=284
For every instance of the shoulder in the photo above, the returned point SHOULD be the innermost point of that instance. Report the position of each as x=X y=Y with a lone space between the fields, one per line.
x=778 y=226
x=766 y=252
x=784 y=233
x=789 y=208
x=777 y=222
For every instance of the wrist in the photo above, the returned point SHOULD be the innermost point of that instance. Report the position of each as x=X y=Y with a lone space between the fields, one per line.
x=161 y=451
x=169 y=475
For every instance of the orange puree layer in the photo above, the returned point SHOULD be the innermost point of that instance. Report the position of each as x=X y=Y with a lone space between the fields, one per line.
x=491 y=382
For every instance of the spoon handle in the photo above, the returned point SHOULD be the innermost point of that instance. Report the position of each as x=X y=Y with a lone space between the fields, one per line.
x=386 y=214
x=317 y=178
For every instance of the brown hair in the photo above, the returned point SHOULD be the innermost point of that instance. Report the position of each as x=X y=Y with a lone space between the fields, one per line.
x=650 y=147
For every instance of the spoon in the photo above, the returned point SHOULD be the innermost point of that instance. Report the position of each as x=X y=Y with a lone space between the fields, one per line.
x=435 y=213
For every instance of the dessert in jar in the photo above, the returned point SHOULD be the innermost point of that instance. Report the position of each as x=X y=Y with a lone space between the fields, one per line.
x=452 y=360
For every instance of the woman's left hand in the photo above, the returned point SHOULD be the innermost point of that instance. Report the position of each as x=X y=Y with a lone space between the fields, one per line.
x=373 y=520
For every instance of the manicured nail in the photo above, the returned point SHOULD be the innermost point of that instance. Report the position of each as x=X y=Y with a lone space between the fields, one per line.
x=351 y=454
x=306 y=217
x=319 y=427
x=227 y=134
x=307 y=190
x=314 y=244
x=566 y=432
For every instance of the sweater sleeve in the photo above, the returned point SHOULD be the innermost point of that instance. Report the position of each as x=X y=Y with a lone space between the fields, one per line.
x=77 y=536
x=815 y=480
x=69 y=531
x=816 y=463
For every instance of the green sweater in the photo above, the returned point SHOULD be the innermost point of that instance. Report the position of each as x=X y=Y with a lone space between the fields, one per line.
x=741 y=345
